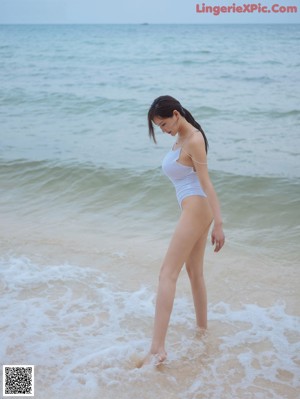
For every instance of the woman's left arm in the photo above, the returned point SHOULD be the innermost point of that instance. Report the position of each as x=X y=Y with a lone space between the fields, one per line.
x=198 y=155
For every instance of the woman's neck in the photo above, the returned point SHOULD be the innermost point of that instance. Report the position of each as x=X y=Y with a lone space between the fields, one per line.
x=185 y=130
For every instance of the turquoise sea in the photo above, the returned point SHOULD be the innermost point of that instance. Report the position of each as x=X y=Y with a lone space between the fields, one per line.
x=86 y=213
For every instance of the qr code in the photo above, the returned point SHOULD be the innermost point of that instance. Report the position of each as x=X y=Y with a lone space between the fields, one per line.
x=18 y=380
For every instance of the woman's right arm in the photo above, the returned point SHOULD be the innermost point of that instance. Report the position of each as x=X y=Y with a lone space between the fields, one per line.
x=197 y=153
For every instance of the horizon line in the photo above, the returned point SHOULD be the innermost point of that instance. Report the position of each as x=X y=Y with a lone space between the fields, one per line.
x=149 y=23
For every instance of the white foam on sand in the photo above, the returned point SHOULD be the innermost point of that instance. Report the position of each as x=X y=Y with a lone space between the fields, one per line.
x=85 y=335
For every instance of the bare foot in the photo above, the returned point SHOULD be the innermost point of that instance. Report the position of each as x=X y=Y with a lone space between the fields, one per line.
x=153 y=360
x=201 y=332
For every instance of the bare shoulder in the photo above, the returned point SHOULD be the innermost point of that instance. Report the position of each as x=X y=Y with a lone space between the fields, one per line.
x=196 y=142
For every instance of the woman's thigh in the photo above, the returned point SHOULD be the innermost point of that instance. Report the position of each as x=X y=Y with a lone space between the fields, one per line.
x=194 y=262
x=192 y=225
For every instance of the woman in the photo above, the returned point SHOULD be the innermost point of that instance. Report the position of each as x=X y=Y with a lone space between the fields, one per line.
x=186 y=166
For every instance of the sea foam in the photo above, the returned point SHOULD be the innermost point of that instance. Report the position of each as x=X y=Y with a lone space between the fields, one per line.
x=85 y=334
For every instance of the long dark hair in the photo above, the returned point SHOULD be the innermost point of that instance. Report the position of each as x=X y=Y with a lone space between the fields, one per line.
x=163 y=107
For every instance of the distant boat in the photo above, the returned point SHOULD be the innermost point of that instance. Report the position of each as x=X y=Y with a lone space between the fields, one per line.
x=145 y=23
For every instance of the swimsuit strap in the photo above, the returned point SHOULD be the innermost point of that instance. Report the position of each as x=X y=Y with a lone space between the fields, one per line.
x=199 y=163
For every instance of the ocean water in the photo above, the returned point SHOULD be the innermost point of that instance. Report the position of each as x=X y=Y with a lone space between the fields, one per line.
x=86 y=214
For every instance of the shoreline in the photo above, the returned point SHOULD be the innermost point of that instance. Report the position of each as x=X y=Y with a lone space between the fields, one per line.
x=135 y=261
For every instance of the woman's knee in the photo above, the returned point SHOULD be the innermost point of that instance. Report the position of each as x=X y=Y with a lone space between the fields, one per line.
x=194 y=271
x=169 y=274
x=188 y=269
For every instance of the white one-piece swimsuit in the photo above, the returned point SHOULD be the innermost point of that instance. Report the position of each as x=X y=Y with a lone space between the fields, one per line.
x=184 y=178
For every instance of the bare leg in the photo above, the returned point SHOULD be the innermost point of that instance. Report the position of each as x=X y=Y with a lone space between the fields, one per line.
x=194 y=267
x=193 y=224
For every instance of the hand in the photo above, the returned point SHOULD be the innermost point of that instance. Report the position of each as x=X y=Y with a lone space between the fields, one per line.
x=217 y=237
